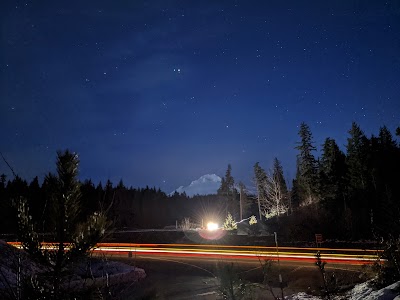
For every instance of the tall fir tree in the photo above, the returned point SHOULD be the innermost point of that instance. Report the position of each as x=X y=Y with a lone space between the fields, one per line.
x=72 y=240
x=307 y=175
x=279 y=177
x=229 y=192
x=227 y=183
x=294 y=200
x=357 y=159
x=385 y=178
x=36 y=201
x=260 y=178
x=358 y=175
x=222 y=190
x=333 y=172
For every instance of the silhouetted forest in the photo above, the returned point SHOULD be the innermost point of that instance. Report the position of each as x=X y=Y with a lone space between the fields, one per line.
x=126 y=207
x=349 y=195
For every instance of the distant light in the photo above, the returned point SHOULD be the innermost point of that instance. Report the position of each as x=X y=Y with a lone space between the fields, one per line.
x=211 y=226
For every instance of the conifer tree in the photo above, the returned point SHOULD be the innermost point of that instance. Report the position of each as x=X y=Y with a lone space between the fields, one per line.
x=3 y=179
x=307 y=175
x=228 y=190
x=333 y=172
x=17 y=187
x=121 y=185
x=229 y=223
x=222 y=190
x=260 y=178
x=72 y=240
x=294 y=201
x=358 y=177
x=227 y=184
x=280 y=178
x=385 y=162
x=357 y=158
x=35 y=198
x=385 y=178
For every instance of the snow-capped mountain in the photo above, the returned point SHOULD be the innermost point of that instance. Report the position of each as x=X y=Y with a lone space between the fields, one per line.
x=205 y=185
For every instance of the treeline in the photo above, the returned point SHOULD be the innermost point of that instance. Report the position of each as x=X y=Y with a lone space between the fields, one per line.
x=125 y=207
x=344 y=195
x=351 y=195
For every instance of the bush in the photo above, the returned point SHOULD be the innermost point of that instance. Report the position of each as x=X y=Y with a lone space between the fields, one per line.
x=230 y=223
x=389 y=271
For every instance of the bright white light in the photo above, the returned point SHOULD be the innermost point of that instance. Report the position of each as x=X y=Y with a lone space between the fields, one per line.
x=211 y=226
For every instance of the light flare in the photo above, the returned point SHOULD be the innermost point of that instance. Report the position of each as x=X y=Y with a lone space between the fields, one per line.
x=211 y=226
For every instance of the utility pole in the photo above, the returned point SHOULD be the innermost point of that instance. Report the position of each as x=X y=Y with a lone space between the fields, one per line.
x=259 y=205
x=240 y=202
x=279 y=264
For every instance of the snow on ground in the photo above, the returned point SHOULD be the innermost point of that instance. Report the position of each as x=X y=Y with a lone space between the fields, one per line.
x=113 y=271
x=302 y=296
x=362 y=291
x=10 y=260
x=116 y=271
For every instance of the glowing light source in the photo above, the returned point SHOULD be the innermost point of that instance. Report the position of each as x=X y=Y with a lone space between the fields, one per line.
x=211 y=226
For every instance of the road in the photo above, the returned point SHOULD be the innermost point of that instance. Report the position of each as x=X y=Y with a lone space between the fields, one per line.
x=193 y=277
x=194 y=271
x=187 y=271
x=332 y=256
x=248 y=253
x=235 y=253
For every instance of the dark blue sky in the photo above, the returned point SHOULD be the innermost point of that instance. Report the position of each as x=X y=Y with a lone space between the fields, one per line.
x=161 y=92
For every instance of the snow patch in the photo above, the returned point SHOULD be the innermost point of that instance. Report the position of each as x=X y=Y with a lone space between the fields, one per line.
x=206 y=294
x=111 y=271
x=302 y=296
x=364 y=291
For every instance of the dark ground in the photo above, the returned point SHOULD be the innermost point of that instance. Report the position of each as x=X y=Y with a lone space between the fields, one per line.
x=198 y=278
x=193 y=278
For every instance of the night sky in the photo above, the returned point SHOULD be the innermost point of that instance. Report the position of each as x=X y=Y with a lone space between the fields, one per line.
x=159 y=93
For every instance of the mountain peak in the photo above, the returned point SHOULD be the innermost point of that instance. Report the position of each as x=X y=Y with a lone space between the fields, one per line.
x=207 y=178
x=206 y=185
